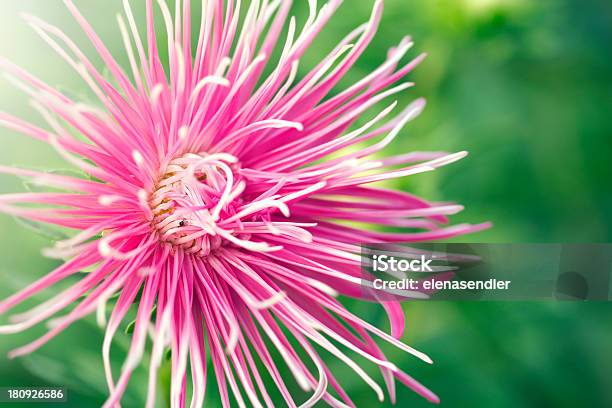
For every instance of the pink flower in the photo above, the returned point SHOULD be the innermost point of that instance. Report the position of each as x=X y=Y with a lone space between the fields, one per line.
x=215 y=193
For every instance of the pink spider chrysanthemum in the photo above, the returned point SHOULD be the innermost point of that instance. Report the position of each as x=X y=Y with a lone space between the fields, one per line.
x=220 y=196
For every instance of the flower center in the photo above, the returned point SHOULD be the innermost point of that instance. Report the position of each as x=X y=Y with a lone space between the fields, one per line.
x=194 y=196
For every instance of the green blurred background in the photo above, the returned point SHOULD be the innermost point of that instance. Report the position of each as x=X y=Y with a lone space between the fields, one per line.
x=524 y=86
